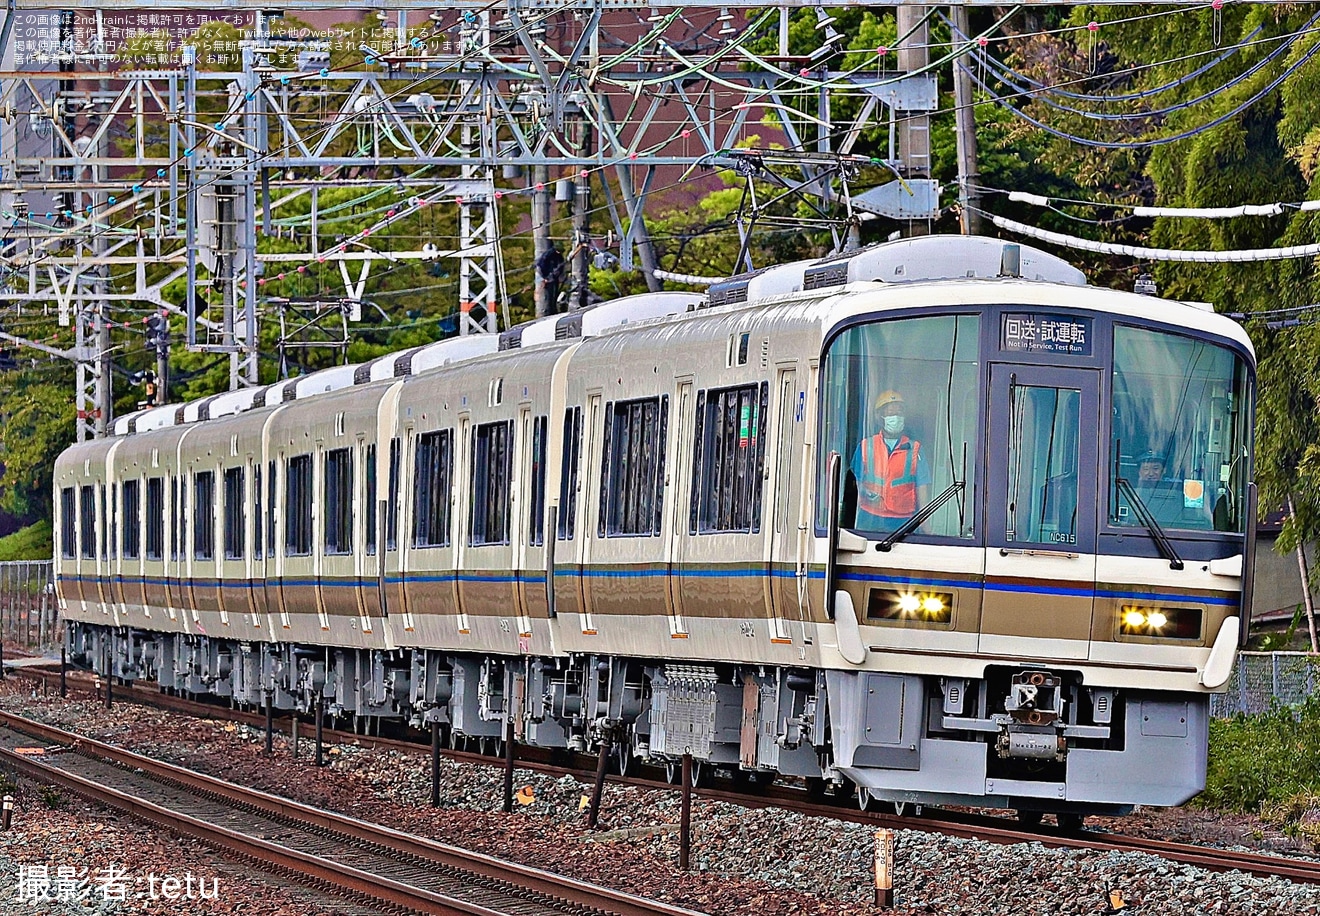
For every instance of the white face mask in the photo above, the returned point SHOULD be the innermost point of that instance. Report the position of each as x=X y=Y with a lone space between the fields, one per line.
x=894 y=425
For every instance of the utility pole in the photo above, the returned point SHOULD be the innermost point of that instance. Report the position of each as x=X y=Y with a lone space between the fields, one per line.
x=965 y=117
x=913 y=126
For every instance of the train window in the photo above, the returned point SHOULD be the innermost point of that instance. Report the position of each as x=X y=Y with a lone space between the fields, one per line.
x=156 y=518
x=371 y=498
x=634 y=479
x=392 y=504
x=113 y=525
x=298 y=506
x=204 y=515
x=68 y=531
x=432 y=484
x=536 y=523
x=235 y=522
x=901 y=405
x=339 y=501
x=176 y=529
x=270 y=508
x=568 y=473
x=104 y=526
x=1044 y=438
x=87 y=517
x=1180 y=432
x=257 y=514
x=132 y=519
x=492 y=471
x=729 y=459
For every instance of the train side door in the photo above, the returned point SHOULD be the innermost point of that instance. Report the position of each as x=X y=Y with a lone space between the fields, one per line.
x=1041 y=516
x=679 y=505
x=592 y=448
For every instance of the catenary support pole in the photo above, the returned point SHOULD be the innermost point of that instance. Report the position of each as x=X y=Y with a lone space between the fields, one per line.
x=435 y=763
x=508 y=766
x=685 y=818
x=64 y=680
x=598 y=787
x=320 y=728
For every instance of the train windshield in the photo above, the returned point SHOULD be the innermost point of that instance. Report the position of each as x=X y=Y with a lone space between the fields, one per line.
x=1180 y=432
x=901 y=407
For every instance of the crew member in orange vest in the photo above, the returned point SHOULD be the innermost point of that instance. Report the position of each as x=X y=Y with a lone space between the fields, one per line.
x=893 y=480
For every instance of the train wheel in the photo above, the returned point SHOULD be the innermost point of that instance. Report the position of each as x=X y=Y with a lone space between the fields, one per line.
x=624 y=760
x=674 y=772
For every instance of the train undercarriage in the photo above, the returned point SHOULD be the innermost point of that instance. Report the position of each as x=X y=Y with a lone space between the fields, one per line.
x=1026 y=737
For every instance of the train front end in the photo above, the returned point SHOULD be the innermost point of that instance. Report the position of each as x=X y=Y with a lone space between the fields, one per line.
x=1035 y=512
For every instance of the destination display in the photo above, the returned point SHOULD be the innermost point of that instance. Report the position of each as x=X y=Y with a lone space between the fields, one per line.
x=1044 y=333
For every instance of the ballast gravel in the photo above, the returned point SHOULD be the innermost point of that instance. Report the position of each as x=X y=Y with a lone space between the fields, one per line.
x=746 y=861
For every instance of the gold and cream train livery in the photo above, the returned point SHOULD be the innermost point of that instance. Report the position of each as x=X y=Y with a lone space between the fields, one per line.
x=932 y=518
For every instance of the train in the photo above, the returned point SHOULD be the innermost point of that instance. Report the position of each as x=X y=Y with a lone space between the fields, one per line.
x=932 y=520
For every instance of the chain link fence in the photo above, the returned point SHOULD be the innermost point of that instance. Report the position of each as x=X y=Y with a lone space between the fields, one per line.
x=28 y=610
x=1259 y=678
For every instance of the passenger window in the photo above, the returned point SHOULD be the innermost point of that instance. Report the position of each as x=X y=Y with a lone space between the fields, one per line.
x=68 y=533
x=536 y=523
x=338 y=501
x=632 y=487
x=371 y=498
x=492 y=468
x=132 y=519
x=87 y=519
x=432 y=484
x=204 y=515
x=568 y=473
x=298 y=506
x=729 y=459
x=392 y=504
x=156 y=519
x=235 y=520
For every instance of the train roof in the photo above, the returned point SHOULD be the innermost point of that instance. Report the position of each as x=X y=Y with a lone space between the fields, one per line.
x=906 y=261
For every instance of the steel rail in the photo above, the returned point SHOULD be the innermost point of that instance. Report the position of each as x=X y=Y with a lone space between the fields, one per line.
x=518 y=877
x=967 y=826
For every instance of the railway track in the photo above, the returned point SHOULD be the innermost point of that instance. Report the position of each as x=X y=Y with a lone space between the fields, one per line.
x=950 y=823
x=362 y=861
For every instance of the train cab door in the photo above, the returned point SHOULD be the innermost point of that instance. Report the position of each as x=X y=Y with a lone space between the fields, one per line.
x=1041 y=511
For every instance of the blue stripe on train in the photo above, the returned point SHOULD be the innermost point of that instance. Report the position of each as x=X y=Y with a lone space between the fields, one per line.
x=699 y=573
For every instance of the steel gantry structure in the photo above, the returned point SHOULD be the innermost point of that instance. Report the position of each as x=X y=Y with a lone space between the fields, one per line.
x=118 y=182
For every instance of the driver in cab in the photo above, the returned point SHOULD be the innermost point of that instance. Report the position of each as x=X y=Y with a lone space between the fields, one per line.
x=893 y=478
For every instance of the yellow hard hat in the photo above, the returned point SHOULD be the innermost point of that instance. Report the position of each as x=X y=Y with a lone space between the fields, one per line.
x=885 y=398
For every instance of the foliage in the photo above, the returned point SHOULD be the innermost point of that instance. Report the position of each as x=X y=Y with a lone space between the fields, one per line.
x=35 y=542
x=1263 y=763
x=36 y=423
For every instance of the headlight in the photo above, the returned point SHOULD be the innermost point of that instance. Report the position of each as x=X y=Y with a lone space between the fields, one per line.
x=914 y=605
x=1161 y=622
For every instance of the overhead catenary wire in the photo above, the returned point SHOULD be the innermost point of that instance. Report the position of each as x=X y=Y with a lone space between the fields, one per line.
x=1154 y=254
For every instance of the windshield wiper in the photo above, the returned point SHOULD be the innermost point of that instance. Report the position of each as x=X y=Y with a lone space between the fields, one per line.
x=913 y=523
x=1162 y=542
